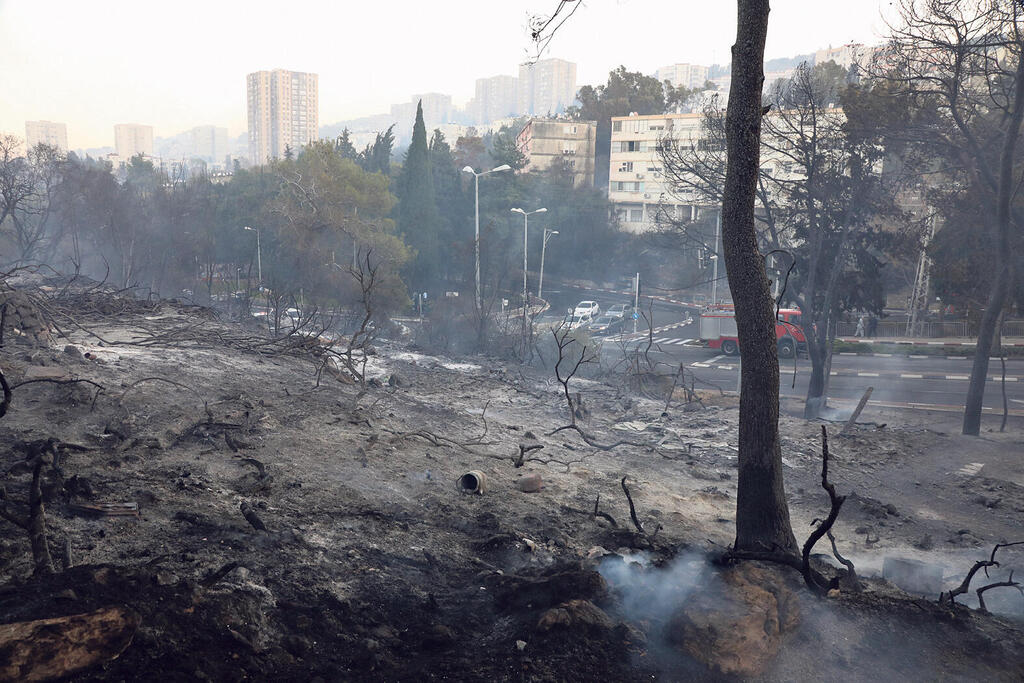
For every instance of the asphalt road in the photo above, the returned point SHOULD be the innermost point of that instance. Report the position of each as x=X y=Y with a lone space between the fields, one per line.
x=913 y=381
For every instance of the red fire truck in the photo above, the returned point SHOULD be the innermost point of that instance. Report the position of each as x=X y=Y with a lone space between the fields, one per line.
x=718 y=331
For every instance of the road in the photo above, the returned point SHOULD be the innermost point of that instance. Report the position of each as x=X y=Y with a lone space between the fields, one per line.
x=906 y=381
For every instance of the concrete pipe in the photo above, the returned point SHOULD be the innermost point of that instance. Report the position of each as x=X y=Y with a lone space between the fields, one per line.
x=473 y=481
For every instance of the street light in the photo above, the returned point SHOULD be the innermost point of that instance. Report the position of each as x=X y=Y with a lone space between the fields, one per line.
x=526 y=223
x=547 y=235
x=259 y=256
x=476 y=238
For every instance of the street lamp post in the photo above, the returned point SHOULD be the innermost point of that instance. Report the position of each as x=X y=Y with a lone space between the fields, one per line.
x=540 y=285
x=526 y=225
x=476 y=237
x=259 y=255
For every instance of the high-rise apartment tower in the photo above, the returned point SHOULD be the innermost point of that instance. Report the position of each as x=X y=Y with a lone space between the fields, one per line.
x=284 y=112
x=546 y=87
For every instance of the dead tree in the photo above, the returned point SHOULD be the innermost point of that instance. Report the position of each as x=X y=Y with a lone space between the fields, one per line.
x=949 y=597
x=588 y=354
x=33 y=522
x=968 y=58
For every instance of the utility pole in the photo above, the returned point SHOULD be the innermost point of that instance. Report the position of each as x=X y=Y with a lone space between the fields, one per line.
x=636 y=302
x=918 y=304
x=714 y=267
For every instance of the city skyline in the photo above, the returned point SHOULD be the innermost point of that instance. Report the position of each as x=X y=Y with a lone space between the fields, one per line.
x=92 y=84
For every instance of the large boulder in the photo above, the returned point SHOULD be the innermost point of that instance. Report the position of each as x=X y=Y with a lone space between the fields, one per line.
x=735 y=624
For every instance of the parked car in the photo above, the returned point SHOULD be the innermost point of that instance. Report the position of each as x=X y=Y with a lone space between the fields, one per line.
x=587 y=308
x=620 y=310
x=606 y=323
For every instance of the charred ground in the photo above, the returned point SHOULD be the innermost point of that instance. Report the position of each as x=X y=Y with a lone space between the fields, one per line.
x=372 y=564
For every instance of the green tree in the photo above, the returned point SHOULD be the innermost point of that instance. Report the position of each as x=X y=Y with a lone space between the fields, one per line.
x=344 y=145
x=376 y=157
x=417 y=215
x=453 y=204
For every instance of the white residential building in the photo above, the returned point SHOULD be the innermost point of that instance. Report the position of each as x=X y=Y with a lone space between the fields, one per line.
x=48 y=133
x=495 y=98
x=132 y=139
x=686 y=75
x=636 y=185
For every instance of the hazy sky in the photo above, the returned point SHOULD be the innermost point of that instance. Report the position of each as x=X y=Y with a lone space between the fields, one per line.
x=175 y=65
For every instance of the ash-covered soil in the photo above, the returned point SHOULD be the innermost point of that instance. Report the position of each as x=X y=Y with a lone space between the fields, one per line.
x=374 y=566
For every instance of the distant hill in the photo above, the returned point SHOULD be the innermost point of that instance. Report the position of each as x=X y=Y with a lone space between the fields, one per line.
x=777 y=64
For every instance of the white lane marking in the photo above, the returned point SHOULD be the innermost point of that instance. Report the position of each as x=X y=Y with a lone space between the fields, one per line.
x=957 y=377
x=687 y=341
x=867 y=374
x=999 y=378
x=833 y=372
x=717 y=358
x=935 y=343
x=918 y=357
x=700 y=365
x=956 y=357
x=905 y=375
x=677 y=341
x=847 y=353
x=726 y=367
x=882 y=355
x=971 y=468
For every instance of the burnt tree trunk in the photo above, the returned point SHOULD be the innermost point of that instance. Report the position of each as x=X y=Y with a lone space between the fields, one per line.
x=817 y=349
x=1003 y=275
x=762 y=516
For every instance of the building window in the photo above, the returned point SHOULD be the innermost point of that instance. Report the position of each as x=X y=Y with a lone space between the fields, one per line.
x=636 y=215
x=616 y=126
x=626 y=167
x=631 y=146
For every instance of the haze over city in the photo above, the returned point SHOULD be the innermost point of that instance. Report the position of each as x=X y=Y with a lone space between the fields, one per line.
x=182 y=65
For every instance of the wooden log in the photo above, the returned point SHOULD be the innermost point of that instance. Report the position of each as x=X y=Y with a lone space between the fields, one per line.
x=47 y=649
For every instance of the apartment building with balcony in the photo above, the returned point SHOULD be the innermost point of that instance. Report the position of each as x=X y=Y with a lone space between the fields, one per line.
x=637 y=186
x=545 y=141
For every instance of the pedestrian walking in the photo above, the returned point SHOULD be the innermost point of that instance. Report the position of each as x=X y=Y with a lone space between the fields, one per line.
x=860 y=327
x=872 y=326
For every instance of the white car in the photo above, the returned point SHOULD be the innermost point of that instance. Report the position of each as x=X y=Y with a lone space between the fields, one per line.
x=589 y=308
x=574 y=320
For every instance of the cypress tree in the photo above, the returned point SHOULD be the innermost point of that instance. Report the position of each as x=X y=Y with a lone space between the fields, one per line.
x=418 y=218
